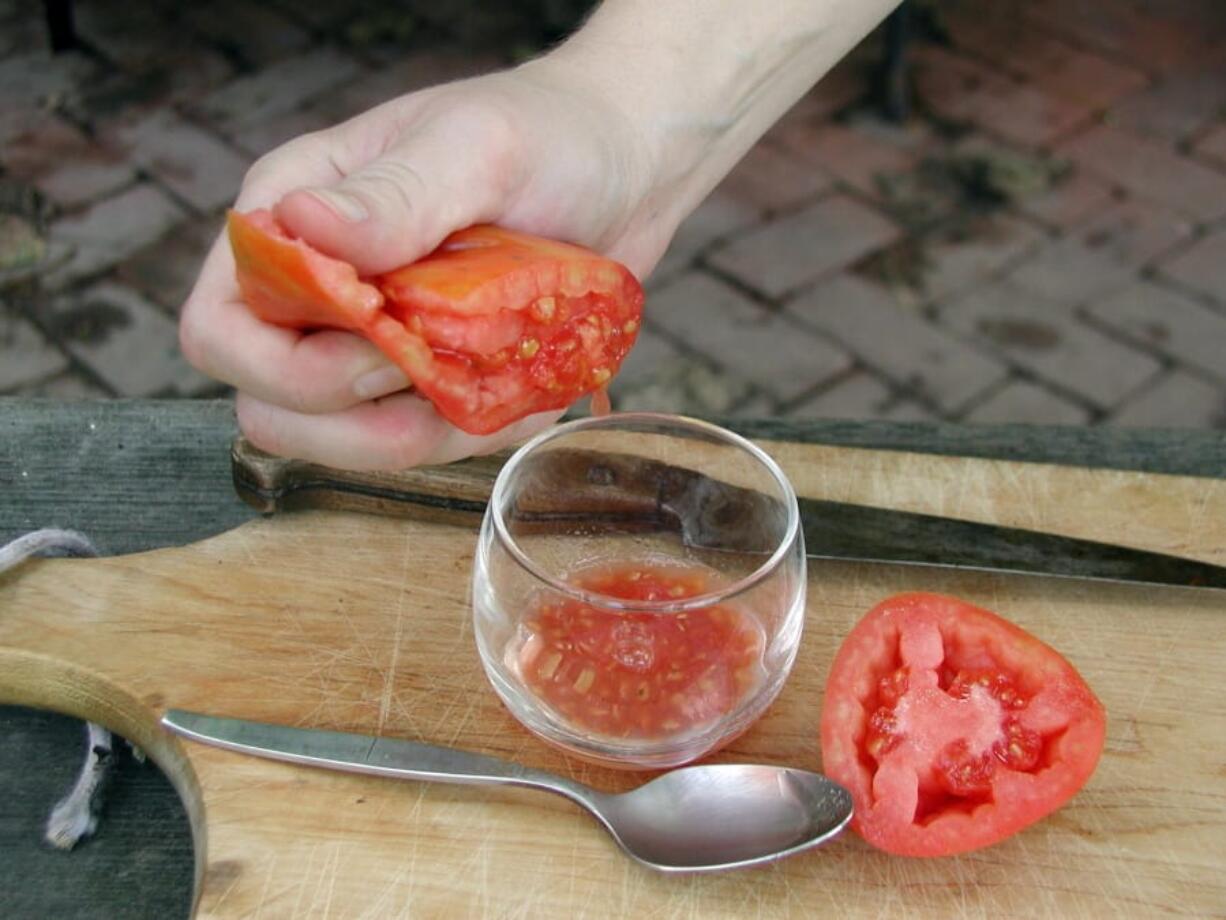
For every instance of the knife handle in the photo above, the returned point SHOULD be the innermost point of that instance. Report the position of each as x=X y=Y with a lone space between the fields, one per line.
x=456 y=493
x=560 y=490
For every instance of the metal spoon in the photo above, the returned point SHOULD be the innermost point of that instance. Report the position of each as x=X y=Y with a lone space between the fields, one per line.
x=695 y=819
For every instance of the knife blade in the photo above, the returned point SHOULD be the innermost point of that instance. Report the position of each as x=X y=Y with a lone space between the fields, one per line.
x=639 y=493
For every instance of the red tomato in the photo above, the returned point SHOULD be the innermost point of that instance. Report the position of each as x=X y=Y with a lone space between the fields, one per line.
x=953 y=728
x=490 y=327
x=641 y=675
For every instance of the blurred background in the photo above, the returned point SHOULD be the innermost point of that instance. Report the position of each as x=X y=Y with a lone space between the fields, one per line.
x=1003 y=212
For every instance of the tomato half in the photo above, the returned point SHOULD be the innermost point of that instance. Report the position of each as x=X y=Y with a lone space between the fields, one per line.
x=953 y=728
x=492 y=326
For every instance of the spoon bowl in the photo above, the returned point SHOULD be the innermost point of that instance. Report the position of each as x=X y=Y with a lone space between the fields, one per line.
x=724 y=816
x=701 y=818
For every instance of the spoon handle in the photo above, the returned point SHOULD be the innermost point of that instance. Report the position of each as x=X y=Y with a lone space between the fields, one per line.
x=353 y=753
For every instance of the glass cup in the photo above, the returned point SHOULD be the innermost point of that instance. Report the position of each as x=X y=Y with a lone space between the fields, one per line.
x=639 y=587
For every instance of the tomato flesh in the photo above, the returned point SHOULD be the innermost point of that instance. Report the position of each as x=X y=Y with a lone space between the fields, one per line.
x=640 y=676
x=288 y=283
x=952 y=727
x=491 y=327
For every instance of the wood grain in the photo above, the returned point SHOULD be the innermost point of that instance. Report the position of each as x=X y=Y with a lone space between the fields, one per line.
x=360 y=623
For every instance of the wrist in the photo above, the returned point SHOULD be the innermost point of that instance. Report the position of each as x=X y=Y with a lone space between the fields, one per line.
x=702 y=80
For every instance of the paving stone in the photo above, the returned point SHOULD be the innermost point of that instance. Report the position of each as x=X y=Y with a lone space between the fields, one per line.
x=188 y=160
x=27 y=356
x=256 y=32
x=915 y=135
x=950 y=84
x=322 y=15
x=1177 y=106
x=1202 y=267
x=1025 y=115
x=20 y=33
x=791 y=251
x=1051 y=64
x=277 y=89
x=1072 y=199
x=1023 y=403
x=1134 y=231
x=417 y=71
x=955 y=256
x=718 y=218
x=32 y=84
x=757 y=345
x=657 y=377
x=1147 y=40
x=259 y=138
x=1070 y=272
x=907 y=410
x=68 y=385
x=859 y=395
x=1167 y=321
x=1150 y=169
x=757 y=406
x=647 y=360
x=897 y=342
x=421 y=69
x=166 y=270
x=65 y=165
x=158 y=60
x=961 y=89
x=125 y=341
x=1090 y=79
x=851 y=155
x=1046 y=339
x=1102 y=254
x=688 y=386
x=1201 y=16
x=1212 y=145
x=769 y=180
x=130 y=34
x=110 y=231
x=1178 y=400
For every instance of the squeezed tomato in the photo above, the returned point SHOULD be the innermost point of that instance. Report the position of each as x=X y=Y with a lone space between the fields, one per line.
x=491 y=327
x=640 y=676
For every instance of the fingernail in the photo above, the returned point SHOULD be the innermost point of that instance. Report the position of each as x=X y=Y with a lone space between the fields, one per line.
x=344 y=206
x=378 y=383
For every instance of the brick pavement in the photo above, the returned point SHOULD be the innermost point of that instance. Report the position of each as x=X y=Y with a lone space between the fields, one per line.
x=1044 y=240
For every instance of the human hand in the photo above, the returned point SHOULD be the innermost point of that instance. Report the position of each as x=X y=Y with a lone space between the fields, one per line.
x=532 y=149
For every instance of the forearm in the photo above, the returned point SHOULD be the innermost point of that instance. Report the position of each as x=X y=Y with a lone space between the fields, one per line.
x=702 y=80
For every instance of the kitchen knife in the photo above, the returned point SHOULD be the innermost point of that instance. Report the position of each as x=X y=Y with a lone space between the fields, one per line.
x=641 y=493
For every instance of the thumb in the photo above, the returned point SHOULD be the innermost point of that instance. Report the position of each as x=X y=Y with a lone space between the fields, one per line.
x=391 y=211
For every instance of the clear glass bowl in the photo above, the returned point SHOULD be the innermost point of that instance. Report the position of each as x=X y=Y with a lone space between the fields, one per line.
x=639 y=587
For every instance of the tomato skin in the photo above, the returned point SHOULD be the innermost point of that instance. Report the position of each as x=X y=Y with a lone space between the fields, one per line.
x=935 y=764
x=287 y=283
x=491 y=327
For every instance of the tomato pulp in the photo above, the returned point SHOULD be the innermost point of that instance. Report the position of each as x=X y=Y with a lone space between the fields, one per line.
x=640 y=676
x=492 y=326
x=953 y=728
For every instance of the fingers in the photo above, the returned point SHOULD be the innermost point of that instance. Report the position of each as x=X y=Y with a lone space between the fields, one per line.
x=319 y=372
x=445 y=174
x=398 y=432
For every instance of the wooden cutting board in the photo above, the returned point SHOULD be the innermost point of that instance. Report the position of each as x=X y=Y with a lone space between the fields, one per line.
x=356 y=622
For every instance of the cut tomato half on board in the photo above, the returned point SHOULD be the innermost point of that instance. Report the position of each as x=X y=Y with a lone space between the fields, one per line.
x=953 y=728
x=492 y=326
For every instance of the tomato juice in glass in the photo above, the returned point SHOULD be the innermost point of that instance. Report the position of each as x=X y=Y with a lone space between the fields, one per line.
x=638 y=590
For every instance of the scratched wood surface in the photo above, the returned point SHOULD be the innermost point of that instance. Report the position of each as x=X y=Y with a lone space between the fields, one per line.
x=353 y=622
